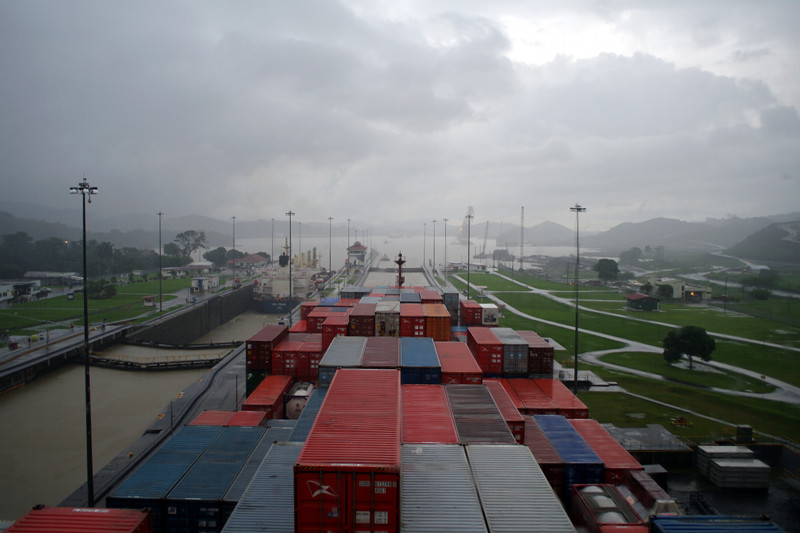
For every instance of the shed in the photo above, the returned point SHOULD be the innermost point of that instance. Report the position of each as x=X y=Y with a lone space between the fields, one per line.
x=643 y=302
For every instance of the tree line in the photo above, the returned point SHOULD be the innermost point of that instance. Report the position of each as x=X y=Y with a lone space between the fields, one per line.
x=20 y=253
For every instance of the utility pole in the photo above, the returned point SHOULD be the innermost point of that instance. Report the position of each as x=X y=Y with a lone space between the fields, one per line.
x=434 y=246
x=424 y=242
x=330 y=254
x=445 y=249
x=577 y=209
x=469 y=238
x=521 y=236
x=86 y=190
x=160 y=253
x=290 y=213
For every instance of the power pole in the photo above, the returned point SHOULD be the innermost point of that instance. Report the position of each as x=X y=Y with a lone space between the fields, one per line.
x=577 y=209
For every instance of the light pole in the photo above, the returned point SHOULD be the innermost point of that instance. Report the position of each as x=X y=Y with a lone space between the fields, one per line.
x=469 y=230
x=434 y=246
x=424 y=242
x=578 y=210
x=84 y=189
x=330 y=262
x=348 y=234
x=272 y=249
x=234 y=232
x=290 y=213
x=445 y=249
x=160 y=253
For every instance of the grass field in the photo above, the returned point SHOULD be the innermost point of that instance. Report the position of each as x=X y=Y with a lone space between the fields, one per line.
x=687 y=389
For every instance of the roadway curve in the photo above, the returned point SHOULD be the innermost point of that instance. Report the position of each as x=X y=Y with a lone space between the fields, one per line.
x=784 y=392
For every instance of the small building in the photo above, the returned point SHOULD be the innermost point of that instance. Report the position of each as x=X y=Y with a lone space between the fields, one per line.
x=248 y=261
x=356 y=254
x=642 y=302
x=201 y=284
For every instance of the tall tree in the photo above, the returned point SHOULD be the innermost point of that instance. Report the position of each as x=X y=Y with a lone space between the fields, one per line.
x=607 y=270
x=664 y=291
x=189 y=241
x=689 y=340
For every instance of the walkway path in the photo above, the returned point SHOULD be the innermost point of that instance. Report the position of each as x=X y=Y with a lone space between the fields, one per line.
x=784 y=392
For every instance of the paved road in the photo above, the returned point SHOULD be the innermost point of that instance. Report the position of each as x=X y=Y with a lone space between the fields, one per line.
x=785 y=392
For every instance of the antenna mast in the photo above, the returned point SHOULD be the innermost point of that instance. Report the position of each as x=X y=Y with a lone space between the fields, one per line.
x=521 y=235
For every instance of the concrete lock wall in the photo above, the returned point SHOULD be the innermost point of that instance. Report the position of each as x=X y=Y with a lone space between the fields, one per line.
x=198 y=318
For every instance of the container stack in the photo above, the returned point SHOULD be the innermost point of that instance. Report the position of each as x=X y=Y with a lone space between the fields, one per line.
x=458 y=364
x=419 y=361
x=412 y=320
x=515 y=353
x=487 y=349
x=387 y=319
x=616 y=459
x=269 y=396
x=471 y=313
x=568 y=404
x=540 y=355
x=344 y=352
x=259 y=353
x=732 y=467
x=358 y=485
x=58 y=519
x=478 y=421
x=515 y=421
x=427 y=418
x=437 y=321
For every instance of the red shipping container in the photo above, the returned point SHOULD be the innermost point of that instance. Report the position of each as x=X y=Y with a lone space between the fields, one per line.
x=259 y=347
x=301 y=326
x=515 y=421
x=211 y=418
x=306 y=308
x=284 y=358
x=356 y=486
x=348 y=302
x=550 y=462
x=540 y=354
x=381 y=352
x=362 y=320
x=487 y=350
x=412 y=320
x=568 y=405
x=458 y=364
x=617 y=460
x=335 y=325
x=533 y=398
x=471 y=313
x=269 y=396
x=426 y=416
x=511 y=394
x=315 y=319
x=247 y=418
x=437 y=322
x=308 y=361
x=430 y=296
x=62 y=519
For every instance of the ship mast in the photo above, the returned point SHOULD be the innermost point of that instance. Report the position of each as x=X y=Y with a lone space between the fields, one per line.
x=400 y=262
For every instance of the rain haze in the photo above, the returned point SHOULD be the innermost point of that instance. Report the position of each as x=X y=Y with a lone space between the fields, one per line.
x=404 y=111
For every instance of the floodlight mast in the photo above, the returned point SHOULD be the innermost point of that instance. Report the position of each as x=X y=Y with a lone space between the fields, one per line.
x=86 y=191
x=577 y=209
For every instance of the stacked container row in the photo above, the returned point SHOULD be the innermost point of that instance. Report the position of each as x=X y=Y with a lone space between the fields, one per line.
x=362 y=320
x=61 y=519
x=381 y=352
x=487 y=349
x=515 y=352
x=471 y=313
x=515 y=421
x=437 y=321
x=565 y=401
x=581 y=465
x=547 y=456
x=616 y=459
x=387 y=319
x=426 y=416
x=419 y=362
x=344 y=352
x=354 y=486
x=532 y=399
x=269 y=396
x=412 y=320
x=458 y=364
x=514 y=494
x=540 y=354
x=477 y=419
x=438 y=493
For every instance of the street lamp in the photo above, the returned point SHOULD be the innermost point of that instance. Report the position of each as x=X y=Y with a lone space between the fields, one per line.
x=86 y=190
x=434 y=246
x=290 y=213
x=348 y=234
x=330 y=262
x=234 y=232
x=577 y=209
x=272 y=249
x=469 y=229
x=160 y=253
x=424 y=242
x=445 y=249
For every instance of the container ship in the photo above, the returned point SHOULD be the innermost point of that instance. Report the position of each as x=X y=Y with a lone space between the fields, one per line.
x=394 y=409
x=278 y=292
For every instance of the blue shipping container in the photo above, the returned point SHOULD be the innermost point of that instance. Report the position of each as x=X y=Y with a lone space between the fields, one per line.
x=712 y=524
x=419 y=361
x=581 y=465
x=308 y=416
x=150 y=483
x=194 y=504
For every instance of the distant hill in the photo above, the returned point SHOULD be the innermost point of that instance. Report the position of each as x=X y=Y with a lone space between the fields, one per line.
x=777 y=242
x=713 y=234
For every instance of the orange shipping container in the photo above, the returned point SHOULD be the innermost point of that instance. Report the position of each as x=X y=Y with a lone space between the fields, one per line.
x=437 y=322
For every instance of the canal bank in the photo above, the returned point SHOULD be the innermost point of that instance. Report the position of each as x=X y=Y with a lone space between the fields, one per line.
x=43 y=458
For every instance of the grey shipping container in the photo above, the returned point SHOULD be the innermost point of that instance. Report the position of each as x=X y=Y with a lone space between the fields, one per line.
x=239 y=485
x=194 y=504
x=150 y=483
x=268 y=503
x=344 y=352
x=307 y=417
x=437 y=493
x=387 y=318
x=477 y=418
x=515 y=352
x=514 y=492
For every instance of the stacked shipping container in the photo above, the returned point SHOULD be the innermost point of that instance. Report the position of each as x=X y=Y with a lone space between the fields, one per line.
x=477 y=419
x=616 y=459
x=419 y=362
x=426 y=416
x=458 y=364
x=357 y=486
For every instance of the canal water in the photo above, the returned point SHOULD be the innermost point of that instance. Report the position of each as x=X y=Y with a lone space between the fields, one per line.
x=43 y=425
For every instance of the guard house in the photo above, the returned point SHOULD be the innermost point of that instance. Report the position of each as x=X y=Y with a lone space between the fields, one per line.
x=203 y=284
x=642 y=302
x=357 y=254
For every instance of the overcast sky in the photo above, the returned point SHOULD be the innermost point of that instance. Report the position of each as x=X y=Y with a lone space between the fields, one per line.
x=404 y=110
